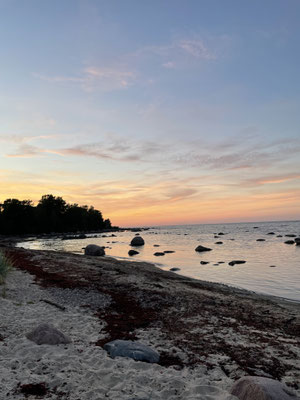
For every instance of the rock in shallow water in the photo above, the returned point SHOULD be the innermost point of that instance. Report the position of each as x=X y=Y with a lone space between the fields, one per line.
x=47 y=334
x=132 y=252
x=202 y=248
x=236 y=262
x=135 y=350
x=94 y=250
x=137 y=241
x=259 y=388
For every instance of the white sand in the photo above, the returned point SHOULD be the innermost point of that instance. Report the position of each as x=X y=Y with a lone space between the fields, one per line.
x=81 y=370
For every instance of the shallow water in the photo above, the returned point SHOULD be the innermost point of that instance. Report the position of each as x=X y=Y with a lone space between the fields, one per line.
x=256 y=274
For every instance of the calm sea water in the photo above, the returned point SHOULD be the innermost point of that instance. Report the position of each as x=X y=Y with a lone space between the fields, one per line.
x=239 y=243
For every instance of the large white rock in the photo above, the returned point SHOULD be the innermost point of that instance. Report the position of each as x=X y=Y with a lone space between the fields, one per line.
x=135 y=350
x=260 y=388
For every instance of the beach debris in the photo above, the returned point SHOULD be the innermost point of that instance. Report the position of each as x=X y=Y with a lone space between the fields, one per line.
x=47 y=334
x=63 y=308
x=158 y=254
x=135 y=350
x=34 y=389
x=289 y=242
x=219 y=243
x=204 y=262
x=260 y=240
x=261 y=388
x=174 y=269
x=137 y=241
x=94 y=250
x=132 y=252
x=202 y=248
x=169 y=251
x=236 y=262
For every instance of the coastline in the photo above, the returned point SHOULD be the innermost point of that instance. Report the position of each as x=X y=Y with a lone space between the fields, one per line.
x=198 y=327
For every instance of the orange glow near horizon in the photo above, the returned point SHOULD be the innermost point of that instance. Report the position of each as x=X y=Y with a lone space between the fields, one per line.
x=129 y=210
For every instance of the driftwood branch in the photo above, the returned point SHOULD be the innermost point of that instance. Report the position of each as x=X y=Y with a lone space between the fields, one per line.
x=54 y=304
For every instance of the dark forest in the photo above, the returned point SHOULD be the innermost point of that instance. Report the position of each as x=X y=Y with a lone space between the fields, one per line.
x=51 y=214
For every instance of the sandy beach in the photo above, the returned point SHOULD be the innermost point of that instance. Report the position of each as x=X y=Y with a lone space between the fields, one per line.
x=208 y=335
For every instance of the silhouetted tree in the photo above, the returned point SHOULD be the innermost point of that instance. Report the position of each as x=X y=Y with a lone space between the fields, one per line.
x=52 y=214
x=17 y=216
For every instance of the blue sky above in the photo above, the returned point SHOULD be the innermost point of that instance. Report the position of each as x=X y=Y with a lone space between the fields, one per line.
x=161 y=103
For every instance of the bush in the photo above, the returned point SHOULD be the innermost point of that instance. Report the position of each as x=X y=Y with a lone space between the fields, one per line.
x=5 y=266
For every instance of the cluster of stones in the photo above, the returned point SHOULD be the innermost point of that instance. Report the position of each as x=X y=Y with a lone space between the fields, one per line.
x=246 y=388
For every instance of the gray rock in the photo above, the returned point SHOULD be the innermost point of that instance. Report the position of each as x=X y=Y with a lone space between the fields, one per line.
x=202 y=248
x=47 y=334
x=260 y=388
x=94 y=250
x=137 y=241
x=236 y=262
x=135 y=350
x=133 y=252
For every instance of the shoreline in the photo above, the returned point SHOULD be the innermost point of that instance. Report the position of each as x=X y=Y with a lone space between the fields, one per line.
x=226 y=331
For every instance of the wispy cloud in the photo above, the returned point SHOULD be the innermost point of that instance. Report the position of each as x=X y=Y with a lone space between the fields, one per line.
x=94 y=78
x=196 y=48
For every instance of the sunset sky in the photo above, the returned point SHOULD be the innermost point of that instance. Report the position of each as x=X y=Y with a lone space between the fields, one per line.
x=155 y=112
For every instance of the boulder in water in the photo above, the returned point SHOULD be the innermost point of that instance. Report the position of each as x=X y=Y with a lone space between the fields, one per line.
x=132 y=252
x=202 y=248
x=137 y=241
x=232 y=263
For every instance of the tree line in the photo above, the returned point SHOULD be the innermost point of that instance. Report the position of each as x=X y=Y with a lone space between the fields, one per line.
x=51 y=214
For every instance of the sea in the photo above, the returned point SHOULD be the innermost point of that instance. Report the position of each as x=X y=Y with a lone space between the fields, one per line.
x=272 y=267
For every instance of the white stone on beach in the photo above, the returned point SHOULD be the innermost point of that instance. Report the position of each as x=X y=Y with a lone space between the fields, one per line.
x=135 y=350
x=260 y=388
x=47 y=334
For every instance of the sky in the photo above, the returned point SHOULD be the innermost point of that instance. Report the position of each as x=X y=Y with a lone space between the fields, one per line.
x=155 y=112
